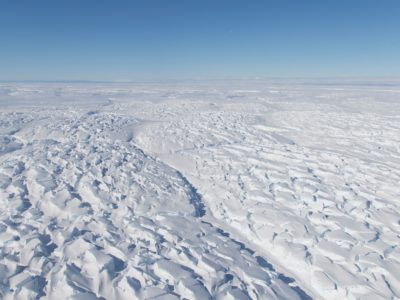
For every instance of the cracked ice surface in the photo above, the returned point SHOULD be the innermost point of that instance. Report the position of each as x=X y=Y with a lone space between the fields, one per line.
x=240 y=189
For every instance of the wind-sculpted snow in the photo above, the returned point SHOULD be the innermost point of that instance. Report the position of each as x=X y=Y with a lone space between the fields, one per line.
x=226 y=190
x=86 y=214
x=313 y=182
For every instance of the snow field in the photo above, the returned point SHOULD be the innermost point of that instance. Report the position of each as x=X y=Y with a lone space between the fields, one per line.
x=238 y=190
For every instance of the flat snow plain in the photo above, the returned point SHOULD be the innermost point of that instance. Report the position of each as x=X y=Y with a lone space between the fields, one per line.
x=200 y=190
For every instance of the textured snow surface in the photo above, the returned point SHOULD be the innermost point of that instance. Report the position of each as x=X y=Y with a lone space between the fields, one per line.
x=200 y=190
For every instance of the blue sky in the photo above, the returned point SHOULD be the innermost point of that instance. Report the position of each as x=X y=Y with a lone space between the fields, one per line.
x=154 y=39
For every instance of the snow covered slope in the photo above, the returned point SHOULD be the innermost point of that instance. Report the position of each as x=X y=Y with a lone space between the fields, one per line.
x=226 y=190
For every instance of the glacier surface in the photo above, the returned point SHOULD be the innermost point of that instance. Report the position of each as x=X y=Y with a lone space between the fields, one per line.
x=239 y=189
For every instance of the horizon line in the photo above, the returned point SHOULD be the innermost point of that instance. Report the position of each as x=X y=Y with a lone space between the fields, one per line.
x=218 y=78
